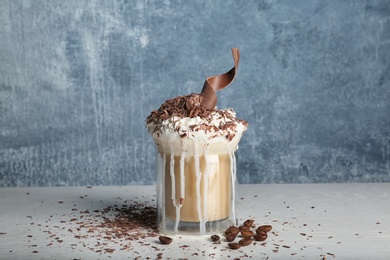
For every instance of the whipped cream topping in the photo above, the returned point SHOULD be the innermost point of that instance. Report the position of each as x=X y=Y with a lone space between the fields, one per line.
x=187 y=117
x=216 y=124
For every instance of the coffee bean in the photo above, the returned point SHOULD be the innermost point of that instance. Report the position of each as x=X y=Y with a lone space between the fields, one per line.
x=247 y=233
x=249 y=222
x=245 y=242
x=232 y=230
x=215 y=238
x=243 y=228
x=234 y=245
x=230 y=237
x=265 y=228
x=165 y=240
x=260 y=236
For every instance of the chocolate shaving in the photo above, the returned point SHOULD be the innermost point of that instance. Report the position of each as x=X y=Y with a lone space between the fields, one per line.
x=215 y=83
x=200 y=105
x=182 y=106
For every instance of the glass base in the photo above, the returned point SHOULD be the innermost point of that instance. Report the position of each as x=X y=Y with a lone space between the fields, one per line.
x=195 y=228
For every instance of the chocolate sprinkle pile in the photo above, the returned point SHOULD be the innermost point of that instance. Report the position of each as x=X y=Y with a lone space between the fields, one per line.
x=106 y=230
x=120 y=225
x=181 y=106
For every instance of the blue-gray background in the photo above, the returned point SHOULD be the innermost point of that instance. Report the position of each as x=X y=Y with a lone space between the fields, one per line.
x=78 y=78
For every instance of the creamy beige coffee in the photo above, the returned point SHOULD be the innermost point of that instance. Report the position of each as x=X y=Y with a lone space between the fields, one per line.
x=214 y=197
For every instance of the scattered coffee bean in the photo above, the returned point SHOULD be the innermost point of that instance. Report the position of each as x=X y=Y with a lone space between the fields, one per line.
x=245 y=242
x=260 y=236
x=230 y=237
x=243 y=228
x=232 y=230
x=247 y=233
x=265 y=228
x=247 y=230
x=249 y=222
x=234 y=245
x=215 y=238
x=165 y=240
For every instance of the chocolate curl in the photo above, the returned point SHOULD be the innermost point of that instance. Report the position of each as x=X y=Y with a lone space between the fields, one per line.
x=215 y=83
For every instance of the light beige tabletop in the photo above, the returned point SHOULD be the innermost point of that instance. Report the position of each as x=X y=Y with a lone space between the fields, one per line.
x=310 y=221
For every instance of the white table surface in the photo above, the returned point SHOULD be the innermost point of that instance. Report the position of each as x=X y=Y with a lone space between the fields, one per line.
x=310 y=221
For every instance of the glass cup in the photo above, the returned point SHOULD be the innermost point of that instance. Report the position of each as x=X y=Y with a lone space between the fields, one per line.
x=196 y=184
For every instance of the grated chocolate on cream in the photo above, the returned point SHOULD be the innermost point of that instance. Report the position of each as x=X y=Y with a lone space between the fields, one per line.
x=185 y=114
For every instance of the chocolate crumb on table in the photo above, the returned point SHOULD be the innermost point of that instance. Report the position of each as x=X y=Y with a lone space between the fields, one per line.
x=112 y=227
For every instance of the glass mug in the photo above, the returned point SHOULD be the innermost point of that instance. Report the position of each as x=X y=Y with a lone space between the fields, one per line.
x=196 y=184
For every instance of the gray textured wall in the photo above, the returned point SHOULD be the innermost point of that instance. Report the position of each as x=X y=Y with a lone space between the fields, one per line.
x=78 y=78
